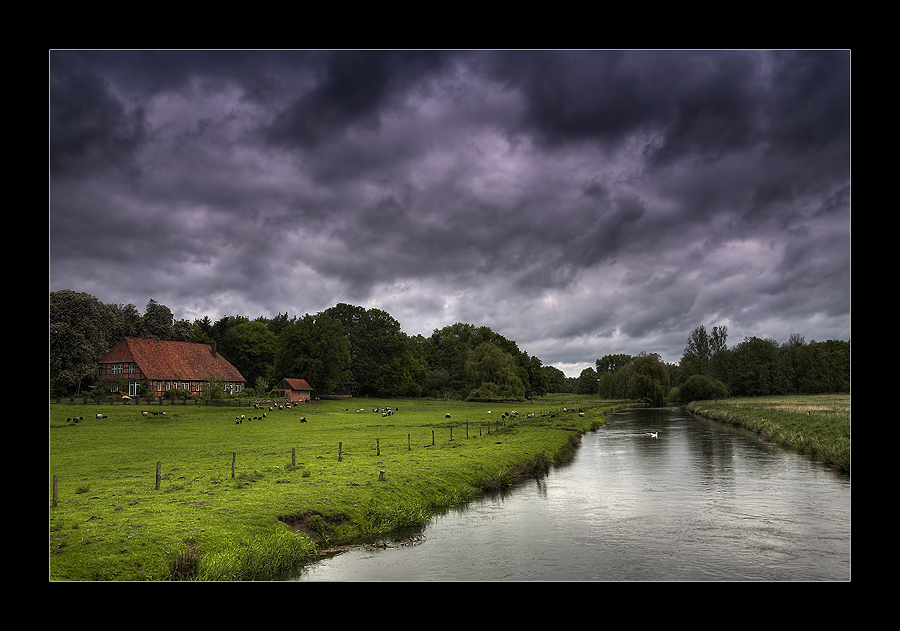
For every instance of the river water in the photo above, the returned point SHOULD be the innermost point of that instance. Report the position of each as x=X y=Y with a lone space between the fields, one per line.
x=702 y=501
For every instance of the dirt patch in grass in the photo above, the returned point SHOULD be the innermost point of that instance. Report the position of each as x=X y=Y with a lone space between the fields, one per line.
x=313 y=523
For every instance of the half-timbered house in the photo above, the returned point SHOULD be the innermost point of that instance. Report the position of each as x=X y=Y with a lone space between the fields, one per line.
x=165 y=366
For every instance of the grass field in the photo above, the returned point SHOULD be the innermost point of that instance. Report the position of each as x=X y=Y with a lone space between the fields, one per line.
x=251 y=500
x=818 y=425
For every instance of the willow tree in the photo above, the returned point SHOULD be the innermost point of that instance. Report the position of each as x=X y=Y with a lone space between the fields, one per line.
x=650 y=379
x=492 y=375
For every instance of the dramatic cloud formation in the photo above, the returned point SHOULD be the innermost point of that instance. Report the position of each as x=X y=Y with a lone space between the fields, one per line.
x=581 y=203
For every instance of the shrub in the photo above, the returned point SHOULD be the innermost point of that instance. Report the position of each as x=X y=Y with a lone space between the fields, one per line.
x=701 y=388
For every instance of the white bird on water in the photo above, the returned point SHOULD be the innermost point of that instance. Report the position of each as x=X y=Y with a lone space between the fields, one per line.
x=653 y=434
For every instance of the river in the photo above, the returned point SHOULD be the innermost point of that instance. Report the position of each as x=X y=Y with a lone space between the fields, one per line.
x=701 y=501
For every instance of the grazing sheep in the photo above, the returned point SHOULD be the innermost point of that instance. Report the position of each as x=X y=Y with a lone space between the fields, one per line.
x=302 y=419
x=448 y=415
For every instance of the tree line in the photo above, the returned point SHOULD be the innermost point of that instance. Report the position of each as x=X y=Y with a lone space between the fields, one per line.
x=351 y=349
x=710 y=370
x=345 y=348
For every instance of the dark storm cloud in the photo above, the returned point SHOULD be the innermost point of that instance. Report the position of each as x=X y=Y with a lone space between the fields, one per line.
x=579 y=202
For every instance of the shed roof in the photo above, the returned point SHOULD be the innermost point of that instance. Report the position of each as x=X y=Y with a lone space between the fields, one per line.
x=298 y=384
x=181 y=361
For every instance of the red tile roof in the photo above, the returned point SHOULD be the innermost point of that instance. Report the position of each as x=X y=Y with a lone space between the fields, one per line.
x=298 y=384
x=178 y=361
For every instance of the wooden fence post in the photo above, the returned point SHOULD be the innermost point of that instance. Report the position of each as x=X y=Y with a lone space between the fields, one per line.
x=432 y=438
x=377 y=446
x=293 y=456
x=158 y=473
x=233 y=459
x=55 y=492
x=409 y=442
x=340 y=449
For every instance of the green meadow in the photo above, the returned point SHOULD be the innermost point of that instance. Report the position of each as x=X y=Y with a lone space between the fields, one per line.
x=817 y=425
x=257 y=499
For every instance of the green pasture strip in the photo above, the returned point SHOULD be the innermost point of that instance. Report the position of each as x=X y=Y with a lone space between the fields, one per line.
x=818 y=425
x=110 y=522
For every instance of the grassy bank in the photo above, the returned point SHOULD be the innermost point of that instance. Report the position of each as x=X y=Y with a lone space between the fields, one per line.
x=818 y=425
x=251 y=500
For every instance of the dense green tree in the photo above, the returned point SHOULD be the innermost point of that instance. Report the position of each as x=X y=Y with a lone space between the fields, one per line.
x=701 y=348
x=447 y=356
x=613 y=363
x=81 y=328
x=760 y=369
x=314 y=348
x=533 y=376
x=613 y=374
x=824 y=367
x=556 y=379
x=587 y=382
x=491 y=374
x=251 y=349
x=158 y=322
x=202 y=331
x=614 y=385
x=127 y=322
x=278 y=323
x=382 y=360
x=700 y=388
x=650 y=379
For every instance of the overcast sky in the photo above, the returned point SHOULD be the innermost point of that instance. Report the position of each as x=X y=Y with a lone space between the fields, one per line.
x=581 y=203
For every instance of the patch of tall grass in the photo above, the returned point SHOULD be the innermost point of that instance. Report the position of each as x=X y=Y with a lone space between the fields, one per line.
x=815 y=425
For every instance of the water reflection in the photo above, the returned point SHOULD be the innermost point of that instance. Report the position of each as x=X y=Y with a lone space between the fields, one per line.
x=703 y=501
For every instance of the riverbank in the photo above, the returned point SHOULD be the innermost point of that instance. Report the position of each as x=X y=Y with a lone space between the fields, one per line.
x=201 y=493
x=817 y=425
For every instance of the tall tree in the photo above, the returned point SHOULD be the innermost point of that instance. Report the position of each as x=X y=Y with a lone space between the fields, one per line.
x=251 y=350
x=535 y=377
x=381 y=356
x=556 y=379
x=760 y=369
x=700 y=350
x=80 y=331
x=650 y=381
x=492 y=374
x=158 y=322
x=587 y=382
x=314 y=348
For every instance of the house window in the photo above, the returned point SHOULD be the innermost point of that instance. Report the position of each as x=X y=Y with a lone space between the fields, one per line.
x=131 y=369
x=118 y=369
